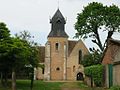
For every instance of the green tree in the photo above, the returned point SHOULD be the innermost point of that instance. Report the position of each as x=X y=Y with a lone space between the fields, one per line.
x=94 y=18
x=93 y=58
x=27 y=54
x=21 y=54
x=33 y=57
x=26 y=37
x=4 y=31
x=4 y=67
x=15 y=53
x=112 y=20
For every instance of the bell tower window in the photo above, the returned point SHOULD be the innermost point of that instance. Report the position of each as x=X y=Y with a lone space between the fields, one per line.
x=58 y=20
x=56 y=46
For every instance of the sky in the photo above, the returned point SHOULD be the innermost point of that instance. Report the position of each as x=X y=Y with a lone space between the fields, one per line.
x=34 y=15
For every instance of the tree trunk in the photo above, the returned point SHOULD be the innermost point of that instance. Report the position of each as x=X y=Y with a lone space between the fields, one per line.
x=2 y=82
x=110 y=33
x=13 y=79
x=98 y=42
x=6 y=79
x=32 y=79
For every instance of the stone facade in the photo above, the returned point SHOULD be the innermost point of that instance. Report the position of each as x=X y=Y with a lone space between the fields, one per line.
x=73 y=62
x=63 y=56
x=59 y=65
x=57 y=58
x=39 y=72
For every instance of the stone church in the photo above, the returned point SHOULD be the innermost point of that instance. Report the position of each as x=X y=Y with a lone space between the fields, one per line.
x=60 y=56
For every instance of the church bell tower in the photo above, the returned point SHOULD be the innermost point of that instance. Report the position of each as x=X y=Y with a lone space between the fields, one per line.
x=56 y=49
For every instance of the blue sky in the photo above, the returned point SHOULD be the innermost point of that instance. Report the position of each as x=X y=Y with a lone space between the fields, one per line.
x=34 y=15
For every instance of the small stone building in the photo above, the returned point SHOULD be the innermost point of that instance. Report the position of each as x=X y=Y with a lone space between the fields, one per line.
x=39 y=72
x=111 y=60
x=62 y=56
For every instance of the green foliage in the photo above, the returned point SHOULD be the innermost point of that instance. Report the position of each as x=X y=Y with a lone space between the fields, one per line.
x=4 y=32
x=112 y=18
x=92 y=59
x=96 y=72
x=4 y=38
x=32 y=57
x=4 y=49
x=90 y=17
x=18 y=52
x=15 y=53
x=115 y=88
x=26 y=37
x=94 y=18
x=41 y=66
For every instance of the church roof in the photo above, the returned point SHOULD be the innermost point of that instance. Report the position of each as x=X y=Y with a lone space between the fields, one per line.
x=71 y=45
x=58 y=15
x=41 y=53
x=115 y=41
x=58 y=33
x=57 y=28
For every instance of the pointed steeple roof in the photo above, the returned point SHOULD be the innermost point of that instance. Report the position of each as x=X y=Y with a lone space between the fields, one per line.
x=58 y=15
x=57 y=27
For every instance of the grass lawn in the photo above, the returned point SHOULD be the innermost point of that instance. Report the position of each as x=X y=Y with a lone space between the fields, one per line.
x=40 y=85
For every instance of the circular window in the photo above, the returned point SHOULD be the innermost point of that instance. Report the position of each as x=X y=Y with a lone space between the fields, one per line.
x=57 y=68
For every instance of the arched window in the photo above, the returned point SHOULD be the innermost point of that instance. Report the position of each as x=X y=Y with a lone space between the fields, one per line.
x=56 y=46
x=80 y=57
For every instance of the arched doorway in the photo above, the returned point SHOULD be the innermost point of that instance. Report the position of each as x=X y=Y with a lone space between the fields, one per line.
x=80 y=76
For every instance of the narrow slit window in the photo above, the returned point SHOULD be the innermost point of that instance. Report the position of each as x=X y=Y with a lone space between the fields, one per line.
x=43 y=71
x=57 y=46
x=80 y=57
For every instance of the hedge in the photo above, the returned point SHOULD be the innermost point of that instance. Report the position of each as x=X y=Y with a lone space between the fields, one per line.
x=96 y=72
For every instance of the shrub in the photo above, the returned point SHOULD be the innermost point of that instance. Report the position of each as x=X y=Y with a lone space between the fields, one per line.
x=96 y=72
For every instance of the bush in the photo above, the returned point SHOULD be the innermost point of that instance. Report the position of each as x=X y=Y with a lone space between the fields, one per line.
x=96 y=72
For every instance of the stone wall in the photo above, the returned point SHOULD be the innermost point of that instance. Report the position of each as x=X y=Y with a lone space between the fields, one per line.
x=73 y=60
x=58 y=58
